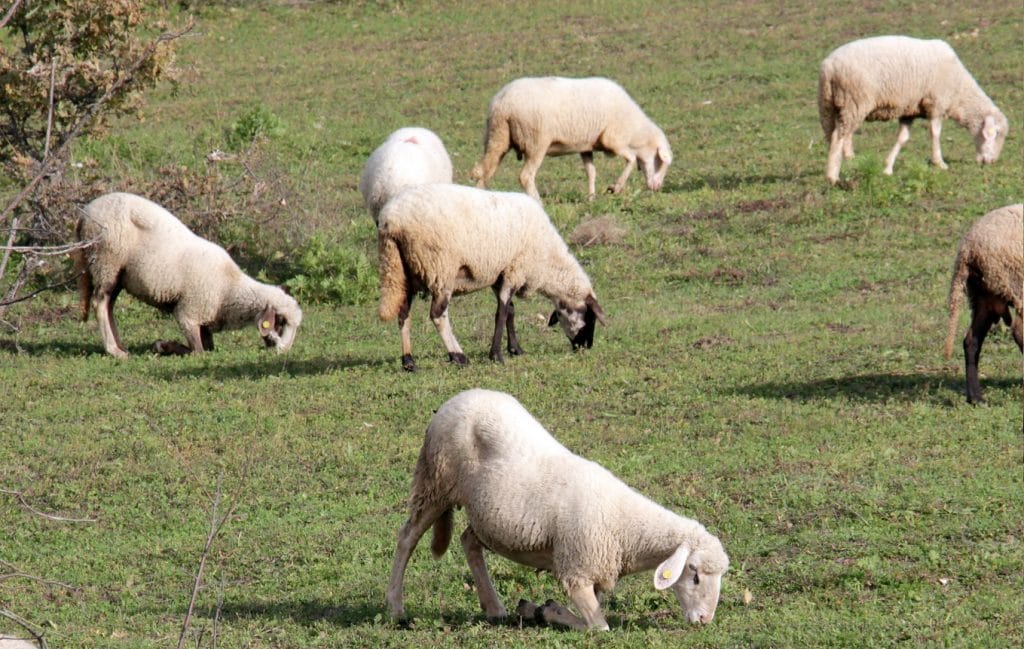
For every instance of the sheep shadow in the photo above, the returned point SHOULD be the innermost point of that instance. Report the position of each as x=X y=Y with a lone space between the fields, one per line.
x=733 y=181
x=878 y=387
x=257 y=369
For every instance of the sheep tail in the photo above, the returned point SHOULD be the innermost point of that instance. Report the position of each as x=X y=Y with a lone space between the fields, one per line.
x=497 y=141
x=84 y=277
x=956 y=296
x=442 y=535
x=394 y=285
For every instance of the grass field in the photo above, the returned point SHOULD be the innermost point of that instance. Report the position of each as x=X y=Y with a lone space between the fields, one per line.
x=772 y=365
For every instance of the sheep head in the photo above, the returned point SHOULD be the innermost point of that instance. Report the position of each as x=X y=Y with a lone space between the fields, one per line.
x=278 y=327
x=989 y=139
x=578 y=322
x=695 y=577
x=655 y=162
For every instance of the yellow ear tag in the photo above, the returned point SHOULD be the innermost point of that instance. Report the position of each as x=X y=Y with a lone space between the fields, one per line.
x=665 y=574
x=265 y=324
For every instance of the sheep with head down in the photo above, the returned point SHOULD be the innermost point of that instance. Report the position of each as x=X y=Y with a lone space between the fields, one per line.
x=898 y=77
x=138 y=246
x=531 y=500
x=409 y=156
x=553 y=116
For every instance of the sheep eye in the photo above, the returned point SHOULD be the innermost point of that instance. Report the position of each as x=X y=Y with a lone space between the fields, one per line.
x=696 y=579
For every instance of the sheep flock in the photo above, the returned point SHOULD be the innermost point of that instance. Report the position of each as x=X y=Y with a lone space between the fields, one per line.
x=525 y=496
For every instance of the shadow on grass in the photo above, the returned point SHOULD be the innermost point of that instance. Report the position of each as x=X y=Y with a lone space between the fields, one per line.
x=271 y=366
x=873 y=387
x=733 y=181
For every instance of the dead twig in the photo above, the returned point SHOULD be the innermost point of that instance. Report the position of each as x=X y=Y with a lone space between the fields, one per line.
x=10 y=13
x=17 y=573
x=25 y=624
x=7 y=248
x=53 y=517
x=215 y=526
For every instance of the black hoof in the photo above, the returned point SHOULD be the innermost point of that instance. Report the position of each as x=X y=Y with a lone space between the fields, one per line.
x=527 y=610
x=408 y=364
x=459 y=359
x=515 y=351
x=498 y=358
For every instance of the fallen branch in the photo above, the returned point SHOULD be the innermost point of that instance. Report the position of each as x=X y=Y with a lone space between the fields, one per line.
x=25 y=624
x=17 y=573
x=53 y=517
x=9 y=14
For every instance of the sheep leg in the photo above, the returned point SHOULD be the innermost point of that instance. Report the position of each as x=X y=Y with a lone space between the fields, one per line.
x=848 y=148
x=504 y=318
x=528 y=175
x=410 y=534
x=1017 y=328
x=489 y=601
x=513 y=341
x=405 y=327
x=588 y=165
x=206 y=336
x=193 y=336
x=935 y=126
x=982 y=319
x=620 y=184
x=103 y=304
x=439 y=316
x=835 y=153
x=902 y=137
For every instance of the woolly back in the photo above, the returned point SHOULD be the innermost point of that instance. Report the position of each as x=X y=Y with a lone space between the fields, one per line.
x=994 y=249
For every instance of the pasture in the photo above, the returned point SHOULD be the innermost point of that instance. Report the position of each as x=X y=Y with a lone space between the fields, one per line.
x=772 y=364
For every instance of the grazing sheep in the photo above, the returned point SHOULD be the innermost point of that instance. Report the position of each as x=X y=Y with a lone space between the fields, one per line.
x=142 y=248
x=558 y=116
x=990 y=266
x=448 y=240
x=898 y=77
x=530 y=499
x=410 y=156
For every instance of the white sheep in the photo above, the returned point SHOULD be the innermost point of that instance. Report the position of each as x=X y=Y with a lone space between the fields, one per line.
x=142 y=248
x=448 y=240
x=531 y=500
x=552 y=116
x=990 y=267
x=410 y=156
x=898 y=77
x=11 y=642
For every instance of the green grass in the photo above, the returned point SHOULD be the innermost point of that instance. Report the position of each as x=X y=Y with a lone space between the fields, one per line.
x=772 y=364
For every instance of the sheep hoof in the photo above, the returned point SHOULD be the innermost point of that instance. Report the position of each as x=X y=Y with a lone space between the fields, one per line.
x=459 y=359
x=408 y=364
x=527 y=610
x=497 y=357
x=170 y=348
x=553 y=613
x=515 y=351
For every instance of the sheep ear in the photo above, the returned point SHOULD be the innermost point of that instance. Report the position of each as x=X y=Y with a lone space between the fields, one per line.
x=671 y=569
x=989 y=128
x=591 y=302
x=553 y=320
x=267 y=321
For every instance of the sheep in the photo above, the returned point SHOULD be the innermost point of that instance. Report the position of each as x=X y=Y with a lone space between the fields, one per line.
x=502 y=240
x=531 y=500
x=898 y=77
x=11 y=642
x=410 y=156
x=990 y=266
x=140 y=247
x=558 y=116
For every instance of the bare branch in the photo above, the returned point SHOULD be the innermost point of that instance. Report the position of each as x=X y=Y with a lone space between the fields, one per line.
x=53 y=517
x=215 y=526
x=7 y=248
x=25 y=624
x=49 y=164
x=51 y=251
x=49 y=112
x=9 y=14
x=17 y=573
